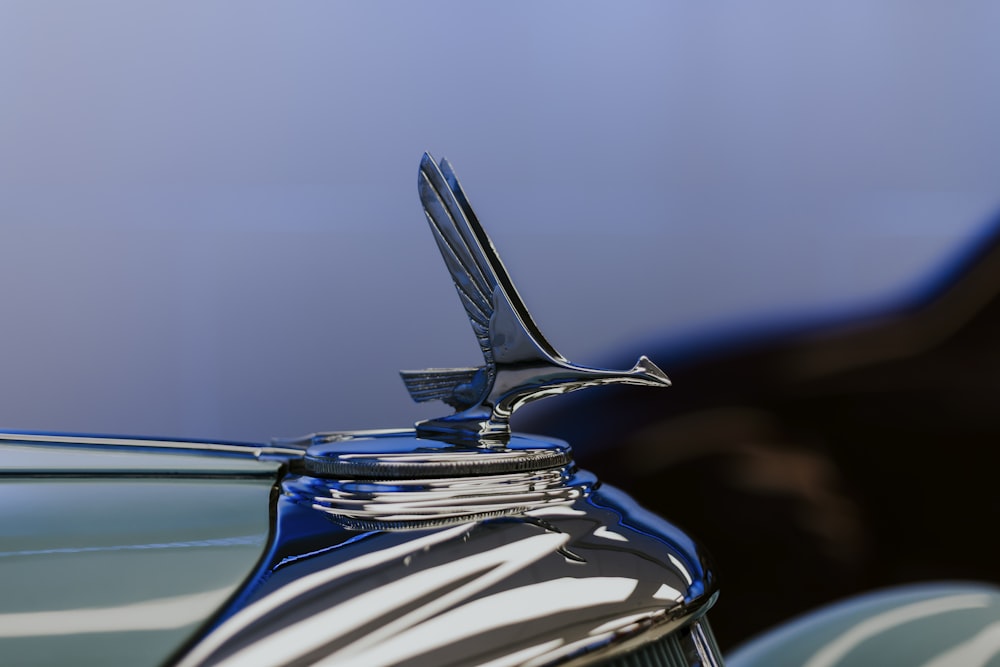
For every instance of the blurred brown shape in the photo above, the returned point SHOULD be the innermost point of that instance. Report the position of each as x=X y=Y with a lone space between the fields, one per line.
x=821 y=462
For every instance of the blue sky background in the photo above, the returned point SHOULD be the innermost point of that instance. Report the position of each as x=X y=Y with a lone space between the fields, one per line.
x=210 y=226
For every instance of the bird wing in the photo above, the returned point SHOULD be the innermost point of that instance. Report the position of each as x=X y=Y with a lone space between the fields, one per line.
x=439 y=384
x=463 y=254
x=483 y=284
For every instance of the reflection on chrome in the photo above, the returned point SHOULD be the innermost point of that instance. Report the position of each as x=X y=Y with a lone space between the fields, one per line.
x=299 y=589
x=246 y=450
x=404 y=454
x=620 y=623
x=609 y=534
x=704 y=646
x=547 y=566
x=680 y=568
x=524 y=656
x=501 y=610
x=665 y=592
x=412 y=503
x=481 y=570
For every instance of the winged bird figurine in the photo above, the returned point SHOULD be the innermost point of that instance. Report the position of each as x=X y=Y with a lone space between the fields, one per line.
x=521 y=365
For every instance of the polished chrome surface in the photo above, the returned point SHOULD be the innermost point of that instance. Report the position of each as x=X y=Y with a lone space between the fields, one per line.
x=404 y=455
x=388 y=491
x=534 y=568
x=704 y=646
x=427 y=503
x=521 y=365
x=31 y=459
x=691 y=646
x=107 y=443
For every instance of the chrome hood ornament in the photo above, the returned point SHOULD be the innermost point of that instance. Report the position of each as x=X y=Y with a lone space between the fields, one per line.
x=521 y=365
x=459 y=543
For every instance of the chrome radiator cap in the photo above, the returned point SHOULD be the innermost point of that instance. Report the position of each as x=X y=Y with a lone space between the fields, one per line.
x=536 y=567
x=406 y=455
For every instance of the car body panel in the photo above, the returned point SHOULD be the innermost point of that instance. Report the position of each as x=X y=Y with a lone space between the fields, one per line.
x=934 y=625
x=118 y=556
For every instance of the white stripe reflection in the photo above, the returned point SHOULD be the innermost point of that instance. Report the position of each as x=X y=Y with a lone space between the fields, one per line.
x=522 y=657
x=975 y=652
x=301 y=586
x=831 y=653
x=321 y=628
x=496 y=611
x=158 y=614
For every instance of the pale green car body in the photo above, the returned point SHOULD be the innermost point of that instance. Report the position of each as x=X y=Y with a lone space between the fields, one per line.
x=117 y=557
x=930 y=625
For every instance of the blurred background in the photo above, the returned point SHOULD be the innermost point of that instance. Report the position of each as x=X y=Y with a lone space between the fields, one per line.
x=209 y=217
x=210 y=225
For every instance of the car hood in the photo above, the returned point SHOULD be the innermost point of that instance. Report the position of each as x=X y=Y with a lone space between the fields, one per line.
x=116 y=551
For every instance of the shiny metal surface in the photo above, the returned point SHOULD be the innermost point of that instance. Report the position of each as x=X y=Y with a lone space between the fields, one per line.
x=21 y=460
x=460 y=483
x=521 y=365
x=535 y=568
x=405 y=455
x=108 y=443
x=426 y=503
x=704 y=647
x=691 y=646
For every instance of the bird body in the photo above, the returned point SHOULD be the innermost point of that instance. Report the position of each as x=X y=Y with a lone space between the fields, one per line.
x=521 y=365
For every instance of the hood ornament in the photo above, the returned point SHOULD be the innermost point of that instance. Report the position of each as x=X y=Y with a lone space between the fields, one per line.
x=521 y=365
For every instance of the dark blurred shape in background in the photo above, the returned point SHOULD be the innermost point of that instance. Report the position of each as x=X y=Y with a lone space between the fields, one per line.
x=211 y=227
x=822 y=460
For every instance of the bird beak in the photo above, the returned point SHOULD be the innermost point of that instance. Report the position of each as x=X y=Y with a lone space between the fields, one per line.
x=647 y=370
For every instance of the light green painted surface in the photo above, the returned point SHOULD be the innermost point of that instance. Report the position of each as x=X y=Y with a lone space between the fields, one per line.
x=931 y=625
x=120 y=571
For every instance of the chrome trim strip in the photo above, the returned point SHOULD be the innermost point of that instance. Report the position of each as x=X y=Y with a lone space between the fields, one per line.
x=206 y=448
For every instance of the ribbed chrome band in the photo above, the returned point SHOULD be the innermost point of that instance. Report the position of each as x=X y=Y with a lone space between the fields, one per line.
x=691 y=646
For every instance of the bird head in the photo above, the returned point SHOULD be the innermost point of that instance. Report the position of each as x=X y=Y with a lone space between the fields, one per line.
x=649 y=373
